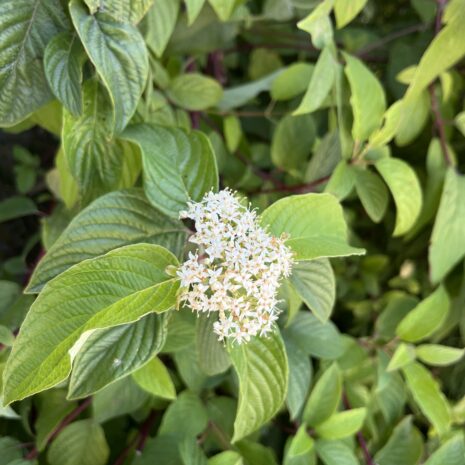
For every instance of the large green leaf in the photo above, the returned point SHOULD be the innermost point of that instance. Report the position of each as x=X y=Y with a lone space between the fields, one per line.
x=320 y=84
x=447 y=245
x=438 y=355
x=114 y=289
x=315 y=283
x=262 y=368
x=325 y=397
x=155 y=379
x=118 y=52
x=405 y=188
x=116 y=219
x=426 y=318
x=96 y=161
x=451 y=452
x=122 y=10
x=161 y=20
x=372 y=192
x=112 y=353
x=368 y=99
x=428 y=395
x=177 y=166
x=63 y=61
x=342 y=424
x=27 y=27
x=292 y=81
x=80 y=442
x=404 y=446
x=315 y=224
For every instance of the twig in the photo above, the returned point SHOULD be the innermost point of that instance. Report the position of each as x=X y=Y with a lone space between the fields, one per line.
x=360 y=438
x=33 y=454
x=298 y=188
x=438 y=121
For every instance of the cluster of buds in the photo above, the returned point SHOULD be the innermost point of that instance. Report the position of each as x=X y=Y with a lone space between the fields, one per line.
x=237 y=269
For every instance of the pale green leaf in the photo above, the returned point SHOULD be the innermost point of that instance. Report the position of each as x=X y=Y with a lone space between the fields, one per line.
x=342 y=181
x=438 y=355
x=428 y=395
x=123 y=10
x=193 y=9
x=335 y=453
x=346 y=10
x=80 y=442
x=368 y=99
x=191 y=452
x=185 y=163
x=342 y=424
x=228 y=457
x=447 y=245
x=320 y=84
x=403 y=356
x=160 y=22
x=324 y=397
x=262 y=368
x=110 y=354
x=27 y=27
x=301 y=448
x=118 y=52
x=405 y=188
x=315 y=224
x=321 y=340
x=155 y=379
x=232 y=132
x=7 y=337
x=114 y=289
x=372 y=192
x=426 y=318
x=297 y=132
x=404 y=446
x=318 y=24
x=114 y=220
x=212 y=356
x=315 y=283
x=63 y=61
x=195 y=91
x=223 y=8
x=292 y=81
x=451 y=452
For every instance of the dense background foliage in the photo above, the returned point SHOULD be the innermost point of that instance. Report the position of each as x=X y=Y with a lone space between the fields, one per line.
x=114 y=113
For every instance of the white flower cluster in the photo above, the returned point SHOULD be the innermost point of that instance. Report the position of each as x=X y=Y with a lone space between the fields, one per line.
x=239 y=269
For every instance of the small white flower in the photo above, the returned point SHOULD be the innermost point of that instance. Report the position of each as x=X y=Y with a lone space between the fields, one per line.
x=239 y=273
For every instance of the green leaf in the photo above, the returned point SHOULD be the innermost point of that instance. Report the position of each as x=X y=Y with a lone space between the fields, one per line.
x=342 y=181
x=262 y=368
x=116 y=219
x=27 y=27
x=346 y=11
x=451 y=452
x=193 y=8
x=63 y=61
x=335 y=453
x=368 y=100
x=195 y=91
x=10 y=450
x=191 y=452
x=320 y=84
x=223 y=8
x=324 y=397
x=188 y=367
x=318 y=24
x=118 y=52
x=53 y=408
x=342 y=424
x=7 y=337
x=80 y=442
x=155 y=379
x=301 y=448
x=438 y=355
x=428 y=395
x=16 y=207
x=292 y=81
x=321 y=340
x=161 y=20
x=419 y=111
x=228 y=457
x=97 y=162
x=185 y=162
x=213 y=358
x=123 y=10
x=117 y=288
x=426 y=318
x=403 y=356
x=315 y=283
x=300 y=375
x=405 y=188
x=447 y=245
x=446 y=49
x=372 y=192
x=315 y=223
x=297 y=132
x=232 y=132
x=404 y=446
x=185 y=416
x=110 y=354
x=256 y=453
